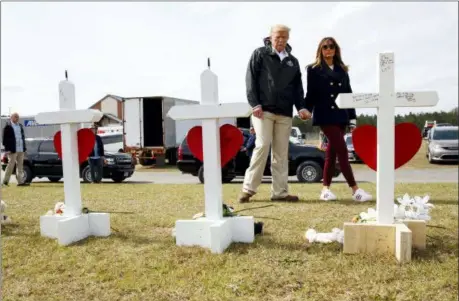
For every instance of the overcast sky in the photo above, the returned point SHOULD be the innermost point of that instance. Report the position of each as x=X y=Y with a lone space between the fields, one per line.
x=148 y=49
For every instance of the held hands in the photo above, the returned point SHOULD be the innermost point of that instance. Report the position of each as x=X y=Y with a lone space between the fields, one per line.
x=304 y=114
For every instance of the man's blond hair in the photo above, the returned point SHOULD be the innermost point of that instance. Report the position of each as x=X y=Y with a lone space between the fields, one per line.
x=280 y=28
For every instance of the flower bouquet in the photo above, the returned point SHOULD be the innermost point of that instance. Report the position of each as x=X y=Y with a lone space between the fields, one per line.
x=415 y=208
x=58 y=209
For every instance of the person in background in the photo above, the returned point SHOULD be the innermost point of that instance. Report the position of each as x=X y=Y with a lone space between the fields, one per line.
x=323 y=141
x=326 y=78
x=15 y=147
x=274 y=86
x=96 y=158
x=250 y=143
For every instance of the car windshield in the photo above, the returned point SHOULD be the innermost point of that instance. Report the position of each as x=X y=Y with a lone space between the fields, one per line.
x=446 y=135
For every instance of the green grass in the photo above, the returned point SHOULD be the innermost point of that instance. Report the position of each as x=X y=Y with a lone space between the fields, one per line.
x=141 y=261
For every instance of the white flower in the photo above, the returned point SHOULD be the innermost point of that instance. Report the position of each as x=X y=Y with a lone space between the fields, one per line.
x=416 y=208
x=405 y=202
x=399 y=212
x=335 y=235
x=424 y=202
x=369 y=216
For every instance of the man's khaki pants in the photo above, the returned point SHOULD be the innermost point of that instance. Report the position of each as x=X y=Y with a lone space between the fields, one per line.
x=273 y=129
x=18 y=159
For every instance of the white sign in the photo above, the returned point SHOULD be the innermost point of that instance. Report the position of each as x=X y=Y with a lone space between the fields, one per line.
x=386 y=101
x=213 y=231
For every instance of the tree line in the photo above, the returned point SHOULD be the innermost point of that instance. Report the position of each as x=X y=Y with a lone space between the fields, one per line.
x=418 y=119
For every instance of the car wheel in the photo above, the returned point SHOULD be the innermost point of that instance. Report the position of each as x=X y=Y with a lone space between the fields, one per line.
x=429 y=157
x=54 y=179
x=27 y=176
x=225 y=179
x=118 y=178
x=86 y=174
x=309 y=172
x=201 y=174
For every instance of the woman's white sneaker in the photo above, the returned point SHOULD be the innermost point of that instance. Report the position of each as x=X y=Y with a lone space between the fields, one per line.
x=361 y=196
x=327 y=195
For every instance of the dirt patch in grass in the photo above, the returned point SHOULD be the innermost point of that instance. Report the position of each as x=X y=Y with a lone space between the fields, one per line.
x=141 y=261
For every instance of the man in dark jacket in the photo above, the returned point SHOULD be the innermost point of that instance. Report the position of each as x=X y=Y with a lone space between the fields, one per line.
x=250 y=143
x=274 y=86
x=96 y=159
x=15 y=147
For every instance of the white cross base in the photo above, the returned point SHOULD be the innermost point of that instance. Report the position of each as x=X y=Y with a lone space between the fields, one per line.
x=213 y=231
x=73 y=226
x=385 y=101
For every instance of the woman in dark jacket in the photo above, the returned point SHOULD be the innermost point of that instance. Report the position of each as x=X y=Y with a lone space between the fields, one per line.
x=326 y=78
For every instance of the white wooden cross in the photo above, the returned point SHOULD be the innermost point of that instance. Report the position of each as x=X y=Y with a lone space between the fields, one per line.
x=385 y=101
x=214 y=231
x=72 y=226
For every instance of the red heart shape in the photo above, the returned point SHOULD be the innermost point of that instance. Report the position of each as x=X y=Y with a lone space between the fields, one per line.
x=86 y=141
x=408 y=140
x=231 y=140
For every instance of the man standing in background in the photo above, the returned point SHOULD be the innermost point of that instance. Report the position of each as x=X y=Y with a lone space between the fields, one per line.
x=96 y=158
x=250 y=144
x=15 y=147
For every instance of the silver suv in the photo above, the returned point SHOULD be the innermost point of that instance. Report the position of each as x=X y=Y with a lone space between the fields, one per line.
x=443 y=144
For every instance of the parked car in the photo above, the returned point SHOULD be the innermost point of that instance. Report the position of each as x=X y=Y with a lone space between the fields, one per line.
x=351 y=154
x=305 y=161
x=443 y=144
x=443 y=124
x=42 y=161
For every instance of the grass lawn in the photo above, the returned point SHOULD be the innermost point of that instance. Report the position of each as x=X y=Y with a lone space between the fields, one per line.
x=141 y=262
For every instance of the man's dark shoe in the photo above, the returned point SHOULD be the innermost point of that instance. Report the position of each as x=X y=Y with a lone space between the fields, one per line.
x=5 y=184
x=288 y=198
x=244 y=197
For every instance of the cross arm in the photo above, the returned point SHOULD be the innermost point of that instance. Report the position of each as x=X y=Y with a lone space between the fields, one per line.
x=402 y=99
x=70 y=116
x=357 y=100
x=205 y=111
x=416 y=99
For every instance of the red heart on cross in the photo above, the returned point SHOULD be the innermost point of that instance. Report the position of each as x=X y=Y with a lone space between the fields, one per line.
x=86 y=141
x=231 y=140
x=408 y=140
